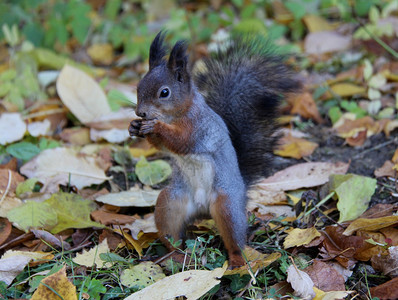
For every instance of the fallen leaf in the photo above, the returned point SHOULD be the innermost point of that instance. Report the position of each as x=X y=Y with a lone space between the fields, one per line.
x=72 y=211
x=101 y=53
x=12 y=128
x=153 y=172
x=303 y=175
x=73 y=169
x=256 y=260
x=387 y=264
x=191 y=284
x=295 y=147
x=108 y=218
x=325 y=41
x=358 y=139
x=351 y=128
x=304 y=105
x=386 y=170
x=142 y=275
x=33 y=215
x=55 y=286
x=370 y=224
x=92 y=257
x=51 y=239
x=320 y=295
x=325 y=276
x=76 y=136
x=7 y=204
x=316 y=23
x=5 y=230
x=386 y=290
x=133 y=197
x=112 y=135
x=81 y=94
x=353 y=193
x=146 y=225
x=134 y=243
x=10 y=179
x=345 y=90
x=39 y=128
x=299 y=237
x=13 y=262
x=301 y=282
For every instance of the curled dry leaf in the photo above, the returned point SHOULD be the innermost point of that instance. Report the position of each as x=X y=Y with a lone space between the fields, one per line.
x=62 y=166
x=81 y=94
x=325 y=276
x=304 y=105
x=300 y=237
x=12 y=128
x=302 y=175
x=370 y=224
x=387 y=264
x=295 y=147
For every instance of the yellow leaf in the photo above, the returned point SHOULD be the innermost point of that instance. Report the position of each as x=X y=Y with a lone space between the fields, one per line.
x=138 y=152
x=257 y=261
x=345 y=90
x=295 y=147
x=91 y=257
x=101 y=53
x=316 y=23
x=59 y=283
x=299 y=237
x=136 y=245
x=370 y=224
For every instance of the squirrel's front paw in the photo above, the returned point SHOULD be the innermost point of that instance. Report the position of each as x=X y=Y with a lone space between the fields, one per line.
x=147 y=126
x=134 y=128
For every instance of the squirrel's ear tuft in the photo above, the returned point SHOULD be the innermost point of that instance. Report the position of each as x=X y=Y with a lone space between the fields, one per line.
x=157 y=51
x=178 y=62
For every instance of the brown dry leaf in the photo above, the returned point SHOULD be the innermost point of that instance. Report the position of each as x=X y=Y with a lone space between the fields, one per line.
x=76 y=136
x=316 y=23
x=358 y=139
x=299 y=237
x=5 y=230
x=257 y=261
x=386 y=170
x=303 y=175
x=350 y=128
x=342 y=248
x=379 y=210
x=391 y=235
x=11 y=179
x=62 y=166
x=59 y=283
x=387 y=264
x=108 y=218
x=325 y=276
x=389 y=126
x=386 y=290
x=295 y=147
x=191 y=284
x=370 y=224
x=82 y=94
x=114 y=240
x=304 y=105
x=325 y=41
x=281 y=13
x=101 y=53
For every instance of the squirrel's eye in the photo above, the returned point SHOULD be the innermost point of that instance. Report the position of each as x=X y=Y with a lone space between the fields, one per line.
x=164 y=93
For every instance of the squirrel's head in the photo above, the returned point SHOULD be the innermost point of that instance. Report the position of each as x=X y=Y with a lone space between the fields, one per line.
x=165 y=92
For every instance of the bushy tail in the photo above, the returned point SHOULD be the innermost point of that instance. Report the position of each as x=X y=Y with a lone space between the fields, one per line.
x=244 y=84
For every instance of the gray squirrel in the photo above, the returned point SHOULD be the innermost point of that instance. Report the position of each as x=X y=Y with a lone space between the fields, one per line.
x=218 y=126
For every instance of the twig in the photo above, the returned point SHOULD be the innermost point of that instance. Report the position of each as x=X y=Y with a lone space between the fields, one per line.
x=375 y=148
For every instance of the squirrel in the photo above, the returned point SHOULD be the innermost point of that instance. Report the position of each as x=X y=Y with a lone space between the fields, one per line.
x=218 y=126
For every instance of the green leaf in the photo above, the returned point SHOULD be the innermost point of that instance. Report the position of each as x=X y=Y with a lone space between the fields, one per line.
x=154 y=172
x=335 y=114
x=296 y=8
x=112 y=8
x=48 y=144
x=33 y=215
x=250 y=26
x=26 y=186
x=93 y=288
x=72 y=210
x=23 y=150
x=354 y=193
x=142 y=275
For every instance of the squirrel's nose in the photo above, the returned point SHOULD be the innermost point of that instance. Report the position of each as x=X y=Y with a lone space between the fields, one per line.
x=140 y=113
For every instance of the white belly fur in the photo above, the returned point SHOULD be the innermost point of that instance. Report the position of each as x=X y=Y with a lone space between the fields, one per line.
x=198 y=172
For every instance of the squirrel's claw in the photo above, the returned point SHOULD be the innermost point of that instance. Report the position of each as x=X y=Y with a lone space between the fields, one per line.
x=134 y=128
x=147 y=126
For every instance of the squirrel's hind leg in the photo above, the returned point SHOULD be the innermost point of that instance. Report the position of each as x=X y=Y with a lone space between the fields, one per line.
x=170 y=215
x=231 y=222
